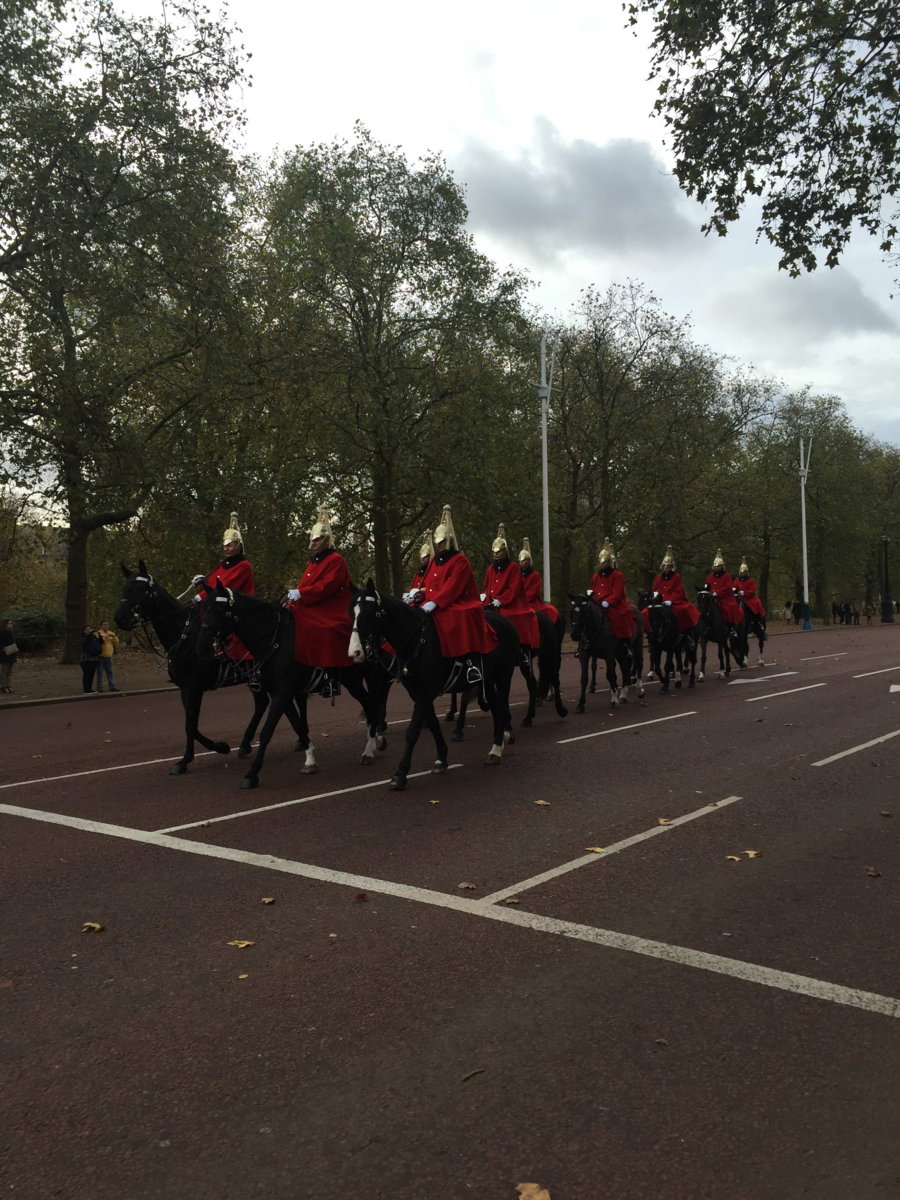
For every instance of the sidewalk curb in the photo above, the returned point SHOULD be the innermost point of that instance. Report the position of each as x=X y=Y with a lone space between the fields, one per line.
x=84 y=696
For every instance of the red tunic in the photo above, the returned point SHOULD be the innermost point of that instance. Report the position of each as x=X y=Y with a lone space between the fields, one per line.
x=418 y=581
x=686 y=614
x=611 y=587
x=723 y=587
x=458 y=617
x=237 y=575
x=322 y=621
x=532 y=581
x=507 y=586
x=750 y=598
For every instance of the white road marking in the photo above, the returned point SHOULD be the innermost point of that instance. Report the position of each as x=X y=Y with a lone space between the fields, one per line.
x=150 y=762
x=883 y=671
x=681 y=955
x=583 y=861
x=823 y=762
x=816 y=657
x=790 y=692
x=621 y=728
x=762 y=678
x=251 y=812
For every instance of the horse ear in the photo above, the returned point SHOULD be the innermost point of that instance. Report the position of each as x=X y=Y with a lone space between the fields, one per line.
x=142 y=567
x=371 y=590
x=125 y=571
x=221 y=590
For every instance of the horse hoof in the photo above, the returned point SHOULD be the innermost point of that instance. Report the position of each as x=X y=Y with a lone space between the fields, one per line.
x=562 y=711
x=456 y=735
x=244 y=751
x=492 y=760
x=761 y=663
x=309 y=769
x=450 y=716
x=592 y=690
x=249 y=782
x=439 y=767
x=381 y=743
x=509 y=737
x=178 y=769
x=678 y=683
x=221 y=748
x=527 y=722
x=398 y=783
x=579 y=708
x=367 y=760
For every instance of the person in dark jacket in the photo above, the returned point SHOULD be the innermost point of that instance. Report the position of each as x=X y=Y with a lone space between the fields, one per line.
x=7 y=656
x=91 y=645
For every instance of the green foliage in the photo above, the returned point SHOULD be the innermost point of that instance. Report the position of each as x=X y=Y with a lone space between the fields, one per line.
x=797 y=103
x=35 y=628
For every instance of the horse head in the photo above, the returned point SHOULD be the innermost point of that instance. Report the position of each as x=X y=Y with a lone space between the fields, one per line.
x=217 y=616
x=578 y=614
x=368 y=620
x=137 y=597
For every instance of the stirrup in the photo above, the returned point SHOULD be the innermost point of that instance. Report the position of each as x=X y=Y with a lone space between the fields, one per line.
x=329 y=688
x=473 y=675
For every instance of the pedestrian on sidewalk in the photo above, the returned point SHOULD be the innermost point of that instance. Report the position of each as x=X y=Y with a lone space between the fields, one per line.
x=91 y=645
x=109 y=641
x=9 y=653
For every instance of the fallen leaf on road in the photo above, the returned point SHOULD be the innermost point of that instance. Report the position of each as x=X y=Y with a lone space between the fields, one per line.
x=663 y=821
x=268 y=900
x=240 y=945
x=532 y=1191
x=91 y=927
x=360 y=896
x=871 y=871
x=243 y=976
x=595 y=849
x=733 y=857
x=885 y=814
x=469 y=887
x=753 y=853
x=543 y=803
x=512 y=900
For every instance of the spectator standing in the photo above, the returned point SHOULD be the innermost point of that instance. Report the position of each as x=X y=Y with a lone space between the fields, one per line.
x=108 y=643
x=788 y=612
x=9 y=652
x=869 y=612
x=91 y=645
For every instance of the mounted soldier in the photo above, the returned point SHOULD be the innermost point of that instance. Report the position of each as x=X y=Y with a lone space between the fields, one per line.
x=504 y=589
x=531 y=578
x=235 y=571
x=416 y=592
x=607 y=588
x=321 y=606
x=670 y=587
x=720 y=583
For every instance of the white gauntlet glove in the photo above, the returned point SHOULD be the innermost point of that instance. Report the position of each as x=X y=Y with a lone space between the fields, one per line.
x=496 y=603
x=198 y=599
x=604 y=604
x=429 y=606
x=198 y=580
x=667 y=603
x=293 y=594
x=483 y=597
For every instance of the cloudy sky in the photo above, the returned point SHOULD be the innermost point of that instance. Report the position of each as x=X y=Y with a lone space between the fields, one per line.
x=543 y=114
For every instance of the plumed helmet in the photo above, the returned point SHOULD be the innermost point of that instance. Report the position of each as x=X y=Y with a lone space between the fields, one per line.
x=525 y=552
x=668 y=562
x=718 y=561
x=426 y=550
x=607 y=556
x=445 y=530
x=322 y=527
x=233 y=532
x=743 y=569
x=500 y=542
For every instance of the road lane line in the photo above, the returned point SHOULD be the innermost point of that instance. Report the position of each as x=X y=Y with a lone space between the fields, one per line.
x=883 y=671
x=251 y=812
x=622 y=728
x=150 y=762
x=762 y=678
x=816 y=657
x=583 y=861
x=823 y=762
x=801 y=985
x=790 y=692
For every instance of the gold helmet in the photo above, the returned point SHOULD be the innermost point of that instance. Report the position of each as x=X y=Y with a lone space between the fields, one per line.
x=445 y=531
x=233 y=533
x=718 y=561
x=525 y=552
x=426 y=550
x=668 y=562
x=607 y=556
x=500 y=542
x=743 y=569
x=322 y=527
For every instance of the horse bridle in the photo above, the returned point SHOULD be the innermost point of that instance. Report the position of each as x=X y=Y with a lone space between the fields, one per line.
x=228 y=599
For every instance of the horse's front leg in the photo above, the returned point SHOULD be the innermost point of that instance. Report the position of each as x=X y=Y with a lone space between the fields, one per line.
x=704 y=642
x=192 y=698
x=451 y=711
x=613 y=681
x=664 y=670
x=593 y=674
x=260 y=703
x=527 y=669
x=457 y=734
x=413 y=729
x=373 y=710
x=278 y=703
x=582 y=656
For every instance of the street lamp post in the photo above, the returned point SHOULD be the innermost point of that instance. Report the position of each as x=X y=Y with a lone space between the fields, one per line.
x=887 y=604
x=804 y=471
x=543 y=390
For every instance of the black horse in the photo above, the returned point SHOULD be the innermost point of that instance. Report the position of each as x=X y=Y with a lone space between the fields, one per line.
x=426 y=673
x=549 y=662
x=755 y=627
x=665 y=638
x=267 y=630
x=730 y=640
x=590 y=629
x=177 y=626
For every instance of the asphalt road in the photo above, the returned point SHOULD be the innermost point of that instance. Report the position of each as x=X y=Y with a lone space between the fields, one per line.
x=569 y=969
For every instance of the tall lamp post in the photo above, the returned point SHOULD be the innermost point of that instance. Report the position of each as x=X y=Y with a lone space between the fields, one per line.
x=804 y=471
x=887 y=604
x=543 y=390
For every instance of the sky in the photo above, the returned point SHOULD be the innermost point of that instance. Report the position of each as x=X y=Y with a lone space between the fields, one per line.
x=543 y=113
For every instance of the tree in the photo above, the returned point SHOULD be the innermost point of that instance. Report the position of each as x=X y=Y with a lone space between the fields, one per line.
x=798 y=103
x=114 y=223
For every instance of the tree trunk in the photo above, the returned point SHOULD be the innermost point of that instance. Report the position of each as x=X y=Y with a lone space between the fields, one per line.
x=76 y=592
